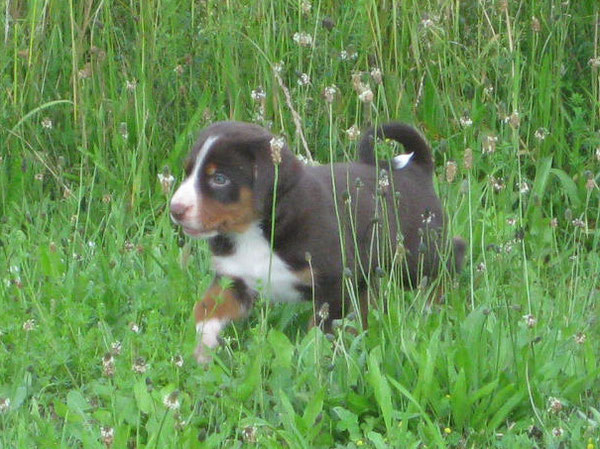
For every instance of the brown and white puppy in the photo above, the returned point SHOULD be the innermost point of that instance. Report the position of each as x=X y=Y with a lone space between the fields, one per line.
x=227 y=197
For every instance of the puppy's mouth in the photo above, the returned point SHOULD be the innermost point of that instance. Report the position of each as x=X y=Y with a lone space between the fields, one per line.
x=198 y=233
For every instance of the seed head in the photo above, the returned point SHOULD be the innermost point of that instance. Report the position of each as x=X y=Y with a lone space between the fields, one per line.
x=557 y=432
x=178 y=69
x=578 y=223
x=29 y=325
x=377 y=75
x=489 y=144
x=107 y=435
x=514 y=120
x=554 y=222
x=115 y=347
x=591 y=184
x=598 y=154
x=177 y=360
x=594 y=62
x=329 y=93
x=306 y=6
x=554 y=405
x=134 y=328
x=131 y=85
x=466 y=121
x=249 y=434
x=47 y=123
x=366 y=96
x=468 y=159
x=166 y=180
x=171 y=401
x=276 y=144
x=39 y=177
x=451 y=169
x=530 y=320
x=258 y=94
x=303 y=80
x=541 y=134
x=523 y=187
x=535 y=24
x=108 y=365
x=384 y=180
x=139 y=366
x=497 y=183
x=353 y=132
x=323 y=312
x=481 y=267
x=580 y=338
x=303 y=39
x=4 y=404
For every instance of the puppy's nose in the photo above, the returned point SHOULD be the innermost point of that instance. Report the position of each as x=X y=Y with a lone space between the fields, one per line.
x=178 y=210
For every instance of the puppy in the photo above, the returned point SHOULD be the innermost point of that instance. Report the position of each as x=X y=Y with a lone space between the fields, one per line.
x=296 y=239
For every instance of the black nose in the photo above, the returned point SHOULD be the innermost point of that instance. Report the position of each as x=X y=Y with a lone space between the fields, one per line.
x=178 y=210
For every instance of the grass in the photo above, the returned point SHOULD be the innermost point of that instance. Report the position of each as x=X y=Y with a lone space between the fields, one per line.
x=98 y=97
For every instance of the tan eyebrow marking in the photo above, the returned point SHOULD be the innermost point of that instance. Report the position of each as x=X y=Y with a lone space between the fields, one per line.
x=210 y=169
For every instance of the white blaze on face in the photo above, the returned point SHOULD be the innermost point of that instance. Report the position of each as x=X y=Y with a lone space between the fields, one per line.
x=187 y=195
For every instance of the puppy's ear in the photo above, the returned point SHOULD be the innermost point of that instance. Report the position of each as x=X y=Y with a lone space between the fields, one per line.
x=264 y=176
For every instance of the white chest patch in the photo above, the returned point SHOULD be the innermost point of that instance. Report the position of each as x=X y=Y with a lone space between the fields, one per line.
x=262 y=272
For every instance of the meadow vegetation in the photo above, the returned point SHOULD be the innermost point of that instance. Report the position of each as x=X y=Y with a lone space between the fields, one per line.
x=100 y=97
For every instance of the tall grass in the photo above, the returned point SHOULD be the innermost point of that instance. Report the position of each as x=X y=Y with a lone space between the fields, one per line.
x=99 y=97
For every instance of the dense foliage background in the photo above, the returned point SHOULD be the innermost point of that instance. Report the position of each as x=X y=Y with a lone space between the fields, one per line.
x=99 y=97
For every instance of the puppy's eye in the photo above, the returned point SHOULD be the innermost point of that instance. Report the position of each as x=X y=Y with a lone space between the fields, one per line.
x=218 y=180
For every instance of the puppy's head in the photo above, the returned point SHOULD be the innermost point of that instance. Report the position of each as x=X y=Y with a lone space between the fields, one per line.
x=229 y=175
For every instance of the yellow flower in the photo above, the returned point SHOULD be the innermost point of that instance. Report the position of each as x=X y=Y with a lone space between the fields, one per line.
x=447 y=430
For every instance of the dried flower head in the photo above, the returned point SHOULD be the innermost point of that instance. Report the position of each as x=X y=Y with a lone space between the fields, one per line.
x=451 y=169
x=535 y=24
x=591 y=184
x=107 y=435
x=177 y=360
x=580 y=338
x=541 y=134
x=39 y=177
x=523 y=187
x=47 y=123
x=554 y=222
x=514 y=119
x=276 y=144
x=377 y=75
x=383 y=180
x=488 y=90
x=178 y=69
x=481 y=267
x=489 y=144
x=511 y=221
x=323 y=312
x=106 y=198
x=171 y=401
x=468 y=158
x=258 y=94
x=249 y=434
x=85 y=72
x=594 y=62
x=466 y=121
x=497 y=183
x=29 y=325
x=530 y=320
x=366 y=96
x=554 y=405
x=166 y=180
x=278 y=67
x=133 y=327
x=131 y=85
x=353 y=132
x=303 y=79
x=108 y=365
x=427 y=216
x=115 y=347
x=139 y=365
x=123 y=130
x=4 y=405
x=329 y=93
x=578 y=223
x=306 y=6
x=557 y=432
x=303 y=39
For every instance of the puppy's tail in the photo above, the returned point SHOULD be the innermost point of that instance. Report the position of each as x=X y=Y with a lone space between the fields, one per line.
x=416 y=147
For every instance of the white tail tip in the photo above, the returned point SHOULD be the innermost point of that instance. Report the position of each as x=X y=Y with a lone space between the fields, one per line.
x=401 y=160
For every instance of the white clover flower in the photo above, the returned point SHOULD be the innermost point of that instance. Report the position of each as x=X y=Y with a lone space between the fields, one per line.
x=303 y=79
x=171 y=401
x=303 y=39
x=366 y=96
x=47 y=123
x=541 y=134
x=353 y=132
x=29 y=325
x=4 y=404
x=329 y=93
x=166 y=182
x=554 y=405
x=258 y=94
x=377 y=75
x=465 y=121
x=530 y=320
